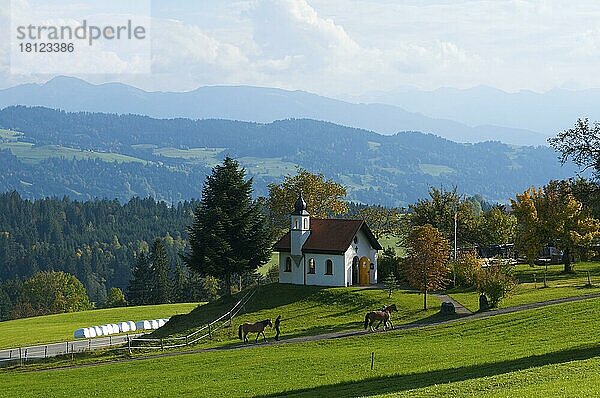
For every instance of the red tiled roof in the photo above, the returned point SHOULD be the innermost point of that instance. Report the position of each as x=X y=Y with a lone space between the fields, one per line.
x=329 y=236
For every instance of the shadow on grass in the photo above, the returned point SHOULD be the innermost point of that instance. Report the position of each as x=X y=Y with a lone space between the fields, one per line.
x=268 y=297
x=399 y=383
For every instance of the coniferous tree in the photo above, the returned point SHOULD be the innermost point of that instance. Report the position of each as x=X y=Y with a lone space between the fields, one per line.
x=178 y=291
x=140 y=285
x=229 y=235
x=161 y=289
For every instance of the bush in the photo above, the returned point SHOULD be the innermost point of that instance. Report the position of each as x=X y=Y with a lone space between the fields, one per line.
x=466 y=268
x=495 y=284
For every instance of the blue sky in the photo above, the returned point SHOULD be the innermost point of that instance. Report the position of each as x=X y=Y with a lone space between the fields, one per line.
x=349 y=48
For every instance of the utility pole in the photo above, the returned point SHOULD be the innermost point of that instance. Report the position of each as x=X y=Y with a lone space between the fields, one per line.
x=455 y=246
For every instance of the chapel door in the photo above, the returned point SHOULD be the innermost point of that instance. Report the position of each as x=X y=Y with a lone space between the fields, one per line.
x=364 y=266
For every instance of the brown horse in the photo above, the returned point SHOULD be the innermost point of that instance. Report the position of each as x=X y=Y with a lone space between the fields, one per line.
x=382 y=316
x=257 y=327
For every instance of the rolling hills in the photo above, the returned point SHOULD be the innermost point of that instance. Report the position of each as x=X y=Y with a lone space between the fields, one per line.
x=45 y=152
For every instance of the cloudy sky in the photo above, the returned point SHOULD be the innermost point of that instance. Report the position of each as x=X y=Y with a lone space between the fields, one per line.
x=350 y=48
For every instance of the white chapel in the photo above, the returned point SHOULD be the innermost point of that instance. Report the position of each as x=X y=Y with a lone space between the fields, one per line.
x=326 y=252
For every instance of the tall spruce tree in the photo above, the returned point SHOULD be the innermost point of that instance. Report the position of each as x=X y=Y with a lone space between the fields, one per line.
x=139 y=291
x=178 y=287
x=229 y=235
x=161 y=286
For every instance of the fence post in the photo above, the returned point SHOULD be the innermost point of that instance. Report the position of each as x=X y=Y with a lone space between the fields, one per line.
x=186 y=340
x=230 y=317
x=46 y=351
x=109 y=341
x=26 y=354
x=90 y=345
x=20 y=357
x=161 y=345
x=209 y=332
x=129 y=344
x=67 y=344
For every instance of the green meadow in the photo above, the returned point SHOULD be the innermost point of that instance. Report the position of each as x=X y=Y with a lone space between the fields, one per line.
x=30 y=153
x=60 y=327
x=552 y=351
x=531 y=287
x=305 y=311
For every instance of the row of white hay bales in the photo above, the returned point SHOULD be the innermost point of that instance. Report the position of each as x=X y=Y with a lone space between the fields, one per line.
x=121 y=327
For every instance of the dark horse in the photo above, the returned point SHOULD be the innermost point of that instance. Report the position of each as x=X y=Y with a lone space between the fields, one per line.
x=257 y=327
x=381 y=316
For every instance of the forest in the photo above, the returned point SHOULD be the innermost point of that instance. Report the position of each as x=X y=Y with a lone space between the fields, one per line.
x=169 y=158
x=98 y=241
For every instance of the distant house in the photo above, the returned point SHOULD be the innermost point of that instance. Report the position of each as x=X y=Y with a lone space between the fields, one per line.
x=326 y=252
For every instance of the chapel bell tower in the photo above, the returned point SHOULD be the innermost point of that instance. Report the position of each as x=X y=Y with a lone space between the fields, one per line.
x=299 y=228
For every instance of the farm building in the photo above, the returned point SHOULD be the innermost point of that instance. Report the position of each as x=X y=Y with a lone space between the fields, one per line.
x=326 y=252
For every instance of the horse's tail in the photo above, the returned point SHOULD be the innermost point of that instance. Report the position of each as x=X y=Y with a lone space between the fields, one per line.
x=367 y=320
x=240 y=332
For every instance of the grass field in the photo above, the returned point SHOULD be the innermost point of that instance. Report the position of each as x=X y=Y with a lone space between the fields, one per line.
x=531 y=287
x=552 y=351
x=305 y=310
x=60 y=327
x=30 y=153
x=208 y=156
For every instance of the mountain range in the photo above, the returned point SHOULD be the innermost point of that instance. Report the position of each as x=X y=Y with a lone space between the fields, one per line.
x=547 y=112
x=266 y=105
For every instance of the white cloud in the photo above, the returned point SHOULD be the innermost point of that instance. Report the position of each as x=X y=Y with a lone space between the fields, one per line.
x=337 y=47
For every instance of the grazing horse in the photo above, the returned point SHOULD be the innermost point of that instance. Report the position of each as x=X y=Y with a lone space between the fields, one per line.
x=257 y=327
x=381 y=316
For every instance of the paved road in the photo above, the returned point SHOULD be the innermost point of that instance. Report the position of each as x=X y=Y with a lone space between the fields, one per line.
x=55 y=349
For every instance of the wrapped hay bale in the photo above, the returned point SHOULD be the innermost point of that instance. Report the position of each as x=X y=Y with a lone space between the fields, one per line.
x=143 y=325
x=154 y=324
x=98 y=331
x=124 y=327
x=132 y=327
x=81 y=333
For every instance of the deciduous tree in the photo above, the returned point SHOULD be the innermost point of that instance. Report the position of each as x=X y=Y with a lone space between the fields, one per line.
x=51 y=293
x=581 y=144
x=115 y=298
x=553 y=216
x=439 y=211
x=323 y=197
x=427 y=260
x=381 y=220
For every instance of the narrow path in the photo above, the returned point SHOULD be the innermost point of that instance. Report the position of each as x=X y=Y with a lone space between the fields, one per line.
x=460 y=309
x=338 y=335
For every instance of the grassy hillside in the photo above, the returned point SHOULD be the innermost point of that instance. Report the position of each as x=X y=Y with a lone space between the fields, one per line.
x=60 y=327
x=305 y=310
x=531 y=287
x=552 y=351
